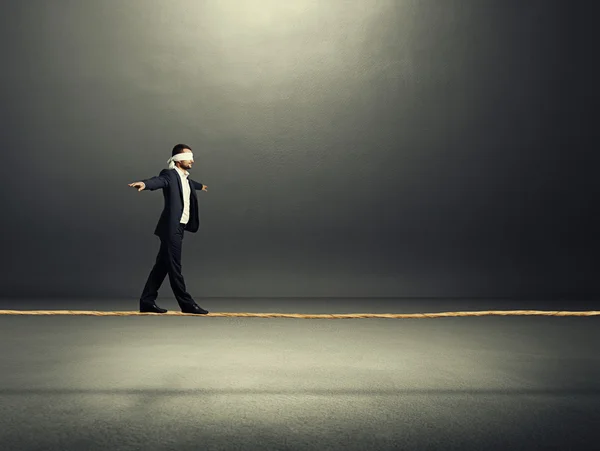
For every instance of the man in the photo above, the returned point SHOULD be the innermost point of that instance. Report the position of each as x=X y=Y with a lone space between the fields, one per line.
x=180 y=213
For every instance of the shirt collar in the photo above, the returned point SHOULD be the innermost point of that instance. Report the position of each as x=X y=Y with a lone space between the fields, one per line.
x=182 y=172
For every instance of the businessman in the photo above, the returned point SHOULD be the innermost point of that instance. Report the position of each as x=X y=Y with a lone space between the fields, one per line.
x=180 y=213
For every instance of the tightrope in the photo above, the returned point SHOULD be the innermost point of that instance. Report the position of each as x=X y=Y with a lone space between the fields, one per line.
x=309 y=316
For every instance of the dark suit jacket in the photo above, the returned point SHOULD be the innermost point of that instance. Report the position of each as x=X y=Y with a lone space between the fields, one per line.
x=170 y=182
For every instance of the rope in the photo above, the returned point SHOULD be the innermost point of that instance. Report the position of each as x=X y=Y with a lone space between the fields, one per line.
x=308 y=316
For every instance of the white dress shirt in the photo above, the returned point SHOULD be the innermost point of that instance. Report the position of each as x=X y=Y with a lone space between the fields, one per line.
x=185 y=217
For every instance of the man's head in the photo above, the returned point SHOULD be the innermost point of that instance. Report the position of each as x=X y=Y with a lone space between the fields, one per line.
x=184 y=164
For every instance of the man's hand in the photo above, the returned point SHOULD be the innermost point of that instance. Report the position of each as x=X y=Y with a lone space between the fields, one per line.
x=204 y=188
x=140 y=185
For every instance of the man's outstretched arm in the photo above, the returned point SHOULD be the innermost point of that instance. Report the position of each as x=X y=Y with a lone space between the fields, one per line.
x=199 y=186
x=153 y=183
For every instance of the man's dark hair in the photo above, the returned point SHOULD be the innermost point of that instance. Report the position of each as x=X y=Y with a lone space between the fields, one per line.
x=179 y=148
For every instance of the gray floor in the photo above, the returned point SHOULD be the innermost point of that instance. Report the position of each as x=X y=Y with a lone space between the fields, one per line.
x=157 y=383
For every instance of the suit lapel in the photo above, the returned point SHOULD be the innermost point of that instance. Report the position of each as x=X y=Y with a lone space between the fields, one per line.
x=178 y=177
x=192 y=190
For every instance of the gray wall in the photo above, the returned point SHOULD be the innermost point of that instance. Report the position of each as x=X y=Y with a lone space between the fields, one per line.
x=351 y=148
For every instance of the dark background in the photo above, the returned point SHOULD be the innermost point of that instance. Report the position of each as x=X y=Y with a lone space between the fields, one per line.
x=367 y=148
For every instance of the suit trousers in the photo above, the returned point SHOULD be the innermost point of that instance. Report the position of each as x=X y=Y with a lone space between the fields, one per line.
x=168 y=261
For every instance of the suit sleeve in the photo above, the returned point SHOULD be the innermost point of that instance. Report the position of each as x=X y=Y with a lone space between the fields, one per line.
x=160 y=181
x=197 y=185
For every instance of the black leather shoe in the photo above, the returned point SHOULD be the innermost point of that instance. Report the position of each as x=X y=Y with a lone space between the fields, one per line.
x=195 y=309
x=152 y=308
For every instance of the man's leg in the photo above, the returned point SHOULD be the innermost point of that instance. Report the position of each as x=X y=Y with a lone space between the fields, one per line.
x=174 y=269
x=157 y=275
